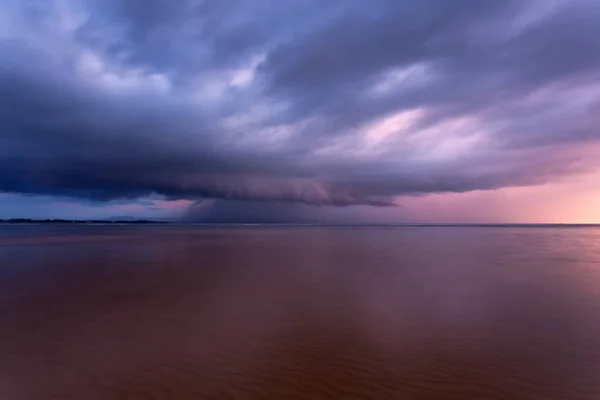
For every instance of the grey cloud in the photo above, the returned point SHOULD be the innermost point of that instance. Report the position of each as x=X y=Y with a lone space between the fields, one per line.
x=66 y=133
x=476 y=59
x=90 y=145
x=185 y=37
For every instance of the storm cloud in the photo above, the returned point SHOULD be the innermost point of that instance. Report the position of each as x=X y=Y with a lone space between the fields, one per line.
x=322 y=103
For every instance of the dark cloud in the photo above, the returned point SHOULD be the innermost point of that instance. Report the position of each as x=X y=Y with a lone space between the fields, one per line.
x=338 y=103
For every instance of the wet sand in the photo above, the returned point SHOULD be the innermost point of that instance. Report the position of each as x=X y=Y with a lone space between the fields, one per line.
x=299 y=313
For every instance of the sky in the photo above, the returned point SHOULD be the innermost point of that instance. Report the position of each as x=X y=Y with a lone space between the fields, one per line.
x=301 y=110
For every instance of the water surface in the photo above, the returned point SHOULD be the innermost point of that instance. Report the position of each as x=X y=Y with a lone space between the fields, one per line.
x=176 y=312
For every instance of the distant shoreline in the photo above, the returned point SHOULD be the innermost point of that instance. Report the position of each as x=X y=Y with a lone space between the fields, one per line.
x=26 y=221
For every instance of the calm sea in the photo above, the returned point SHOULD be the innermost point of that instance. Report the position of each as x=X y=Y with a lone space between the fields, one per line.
x=188 y=312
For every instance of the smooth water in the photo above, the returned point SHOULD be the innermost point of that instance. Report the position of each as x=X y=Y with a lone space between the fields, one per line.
x=176 y=312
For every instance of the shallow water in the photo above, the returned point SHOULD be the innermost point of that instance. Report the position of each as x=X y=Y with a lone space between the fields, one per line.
x=176 y=312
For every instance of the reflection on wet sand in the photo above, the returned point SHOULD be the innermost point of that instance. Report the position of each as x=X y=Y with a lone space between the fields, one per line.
x=307 y=313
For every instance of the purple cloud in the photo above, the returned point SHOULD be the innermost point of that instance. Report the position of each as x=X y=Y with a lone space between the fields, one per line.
x=344 y=103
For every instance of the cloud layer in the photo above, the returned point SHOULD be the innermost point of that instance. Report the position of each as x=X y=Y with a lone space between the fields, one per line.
x=334 y=103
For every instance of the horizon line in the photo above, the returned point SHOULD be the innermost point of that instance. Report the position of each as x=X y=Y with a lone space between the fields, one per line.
x=15 y=221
